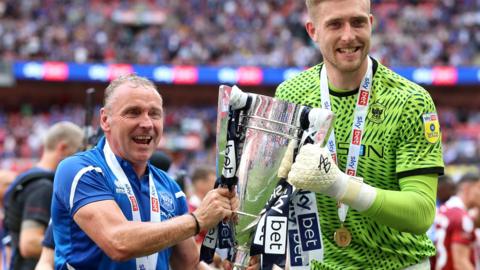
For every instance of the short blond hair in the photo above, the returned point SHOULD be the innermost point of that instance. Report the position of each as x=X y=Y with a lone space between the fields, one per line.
x=63 y=131
x=133 y=79
x=313 y=3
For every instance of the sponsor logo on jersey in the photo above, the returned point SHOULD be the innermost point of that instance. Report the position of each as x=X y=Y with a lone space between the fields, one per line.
x=431 y=127
x=377 y=113
x=166 y=201
x=366 y=150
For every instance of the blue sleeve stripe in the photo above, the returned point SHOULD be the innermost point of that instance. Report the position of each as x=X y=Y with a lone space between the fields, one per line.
x=180 y=194
x=77 y=178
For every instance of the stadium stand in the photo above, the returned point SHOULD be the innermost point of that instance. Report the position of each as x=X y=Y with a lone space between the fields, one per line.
x=206 y=32
x=246 y=32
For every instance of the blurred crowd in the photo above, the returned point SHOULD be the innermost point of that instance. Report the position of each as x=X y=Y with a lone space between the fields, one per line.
x=241 y=32
x=190 y=135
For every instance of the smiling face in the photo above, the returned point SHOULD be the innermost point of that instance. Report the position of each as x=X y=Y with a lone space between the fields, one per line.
x=132 y=120
x=342 y=30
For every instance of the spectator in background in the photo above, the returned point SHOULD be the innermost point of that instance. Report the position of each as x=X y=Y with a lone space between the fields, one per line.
x=412 y=33
x=203 y=180
x=125 y=212
x=446 y=189
x=6 y=178
x=28 y=199
x=161 y=160
x=455 y=227
x=46 y=261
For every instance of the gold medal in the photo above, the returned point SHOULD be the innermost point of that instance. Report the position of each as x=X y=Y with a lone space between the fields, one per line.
x=342 y=237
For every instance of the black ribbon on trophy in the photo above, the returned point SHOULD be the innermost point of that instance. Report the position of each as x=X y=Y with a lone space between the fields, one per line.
x=273 y=217
x=222 y=235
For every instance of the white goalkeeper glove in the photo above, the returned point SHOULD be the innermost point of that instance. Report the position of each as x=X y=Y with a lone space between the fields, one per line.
x=287 y=160
x=315 y=170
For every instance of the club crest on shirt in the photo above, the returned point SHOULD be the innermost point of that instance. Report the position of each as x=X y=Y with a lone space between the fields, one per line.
x=431 y=127
x=377 y=113
x=166 y=201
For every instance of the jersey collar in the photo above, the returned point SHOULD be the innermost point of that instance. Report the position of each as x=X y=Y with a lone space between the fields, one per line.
x=341 y=93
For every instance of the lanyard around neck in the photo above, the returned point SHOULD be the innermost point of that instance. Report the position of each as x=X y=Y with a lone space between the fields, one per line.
x=147 y=262
x=359 y=117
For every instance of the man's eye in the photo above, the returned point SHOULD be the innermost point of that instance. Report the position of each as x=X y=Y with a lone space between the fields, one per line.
x=156 y=115
x=358 y=23
x=132 y=113
x=334 y=25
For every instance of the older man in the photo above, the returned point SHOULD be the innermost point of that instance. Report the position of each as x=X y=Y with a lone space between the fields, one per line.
x=112 y=209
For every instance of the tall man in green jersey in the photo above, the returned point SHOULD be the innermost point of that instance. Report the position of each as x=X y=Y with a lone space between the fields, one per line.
x=376 y=179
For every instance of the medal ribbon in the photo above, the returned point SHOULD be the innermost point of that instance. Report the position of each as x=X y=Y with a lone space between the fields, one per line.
x=147 y=262
x=359 y=117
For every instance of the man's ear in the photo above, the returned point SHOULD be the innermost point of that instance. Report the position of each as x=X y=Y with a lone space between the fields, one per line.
x=104 y=120
x=371 y=20
x=311 y=30
x=62 y=147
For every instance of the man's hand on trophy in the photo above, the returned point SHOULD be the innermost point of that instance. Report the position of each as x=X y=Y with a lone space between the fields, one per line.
x=218 y=204
x=315 y=170
x=253 y=264
x=235 y=205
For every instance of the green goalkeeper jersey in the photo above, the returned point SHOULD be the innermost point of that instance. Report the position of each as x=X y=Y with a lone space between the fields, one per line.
x=401 y=138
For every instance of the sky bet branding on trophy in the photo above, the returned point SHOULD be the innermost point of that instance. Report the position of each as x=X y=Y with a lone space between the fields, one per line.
x=253 y=134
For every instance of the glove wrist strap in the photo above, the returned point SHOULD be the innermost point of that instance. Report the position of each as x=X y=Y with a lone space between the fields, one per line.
x=357 y=194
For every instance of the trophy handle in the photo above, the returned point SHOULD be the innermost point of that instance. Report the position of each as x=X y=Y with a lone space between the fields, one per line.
x=245 y=214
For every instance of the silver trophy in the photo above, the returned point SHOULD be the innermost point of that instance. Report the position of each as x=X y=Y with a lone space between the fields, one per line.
x=265 y=128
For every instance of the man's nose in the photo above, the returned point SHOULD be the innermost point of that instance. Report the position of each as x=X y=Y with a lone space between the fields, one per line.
x=146 y=121
x=348 y=33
